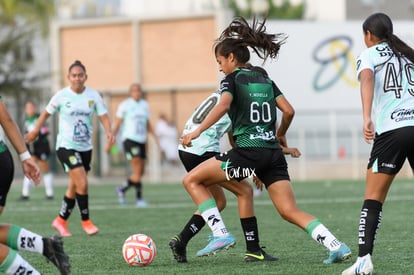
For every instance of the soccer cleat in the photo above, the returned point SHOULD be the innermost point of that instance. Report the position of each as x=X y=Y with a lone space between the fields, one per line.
x=61 y=226
x=259 y=256
x=338 y=255
x=141 y=203
x=362 y=266
x=178 y=249
x=121 y=196
x=217 y=244
x=53 y=251
x=89 y=227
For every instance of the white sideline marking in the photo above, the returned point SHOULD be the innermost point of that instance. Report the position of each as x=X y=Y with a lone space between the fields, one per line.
x=115 y=206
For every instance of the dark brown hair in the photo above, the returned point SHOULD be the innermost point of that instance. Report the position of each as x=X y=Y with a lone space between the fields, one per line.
x=239 y=35
x=77 y=63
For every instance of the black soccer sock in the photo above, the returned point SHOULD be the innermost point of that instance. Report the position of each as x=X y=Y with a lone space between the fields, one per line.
x=83 y=204
x=138 y=188
x=67 y=207
x=192 y=227
x=369 y=223
x=251 y=233
x=126 y=187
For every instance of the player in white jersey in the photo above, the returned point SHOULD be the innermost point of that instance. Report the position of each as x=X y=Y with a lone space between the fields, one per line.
x=133 y=114
x=385 y=71
x=76 y=105
x=14 y=238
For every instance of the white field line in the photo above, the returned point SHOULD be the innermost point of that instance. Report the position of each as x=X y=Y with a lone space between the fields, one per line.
x=104 y=206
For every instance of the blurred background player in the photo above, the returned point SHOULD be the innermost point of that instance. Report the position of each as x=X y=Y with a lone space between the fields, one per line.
x=133 y=114
x=40 y=150
x=76 y=105
x=168 y=138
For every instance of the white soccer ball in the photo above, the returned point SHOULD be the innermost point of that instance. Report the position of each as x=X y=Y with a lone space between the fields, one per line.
x=139 y=250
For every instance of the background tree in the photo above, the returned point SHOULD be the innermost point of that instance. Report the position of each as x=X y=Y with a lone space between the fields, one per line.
x=22 y=22
x=272 y=9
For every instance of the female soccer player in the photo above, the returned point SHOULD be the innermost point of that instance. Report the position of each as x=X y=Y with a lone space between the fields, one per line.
x=14 y=238
x=76 y=105
x=40 y=150
x=250 y=99
x=134 y=114
x=203 y=148
x=387 y=83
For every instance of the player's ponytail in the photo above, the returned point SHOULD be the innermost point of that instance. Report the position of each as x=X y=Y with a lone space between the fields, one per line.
x=239 y=35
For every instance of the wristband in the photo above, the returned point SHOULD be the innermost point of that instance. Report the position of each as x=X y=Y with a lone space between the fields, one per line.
x=24 y=156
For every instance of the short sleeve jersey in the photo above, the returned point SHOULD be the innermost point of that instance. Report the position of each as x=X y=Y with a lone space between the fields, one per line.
x=209 y=140
x=135 y=116
x=393 y=102
x=252 y=111
x=75 y=117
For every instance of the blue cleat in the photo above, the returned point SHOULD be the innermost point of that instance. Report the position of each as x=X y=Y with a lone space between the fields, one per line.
x=216 y=244
x=338 y=255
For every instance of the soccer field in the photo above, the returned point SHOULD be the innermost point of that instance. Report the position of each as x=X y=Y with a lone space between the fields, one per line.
x=336 y=203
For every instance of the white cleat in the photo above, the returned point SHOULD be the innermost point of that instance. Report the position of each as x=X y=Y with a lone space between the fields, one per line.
x=362 y=266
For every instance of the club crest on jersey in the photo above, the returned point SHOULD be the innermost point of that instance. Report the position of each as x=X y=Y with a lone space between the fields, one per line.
x=91 y=103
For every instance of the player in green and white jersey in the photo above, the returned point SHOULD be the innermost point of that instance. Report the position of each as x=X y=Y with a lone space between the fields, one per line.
x=206 y=146
x=76 y=105
x=250 y=98
x=14 y=238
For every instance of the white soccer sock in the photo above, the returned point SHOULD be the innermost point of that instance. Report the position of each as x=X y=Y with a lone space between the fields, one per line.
x=212 y=217
x=48 y=180
x=27 y=185
x=29 y=241
x=322 y=235
x=18 y=265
